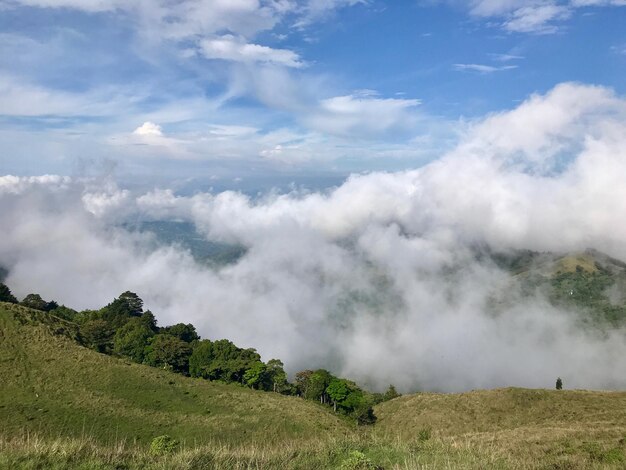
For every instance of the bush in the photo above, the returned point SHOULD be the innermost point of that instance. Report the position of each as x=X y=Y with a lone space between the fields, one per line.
x=364 y=414
x=163 y=445
x=357 y=461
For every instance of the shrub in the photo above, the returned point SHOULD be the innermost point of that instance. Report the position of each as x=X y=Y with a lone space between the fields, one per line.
x=357 y=461
x=559 y=383
x=163 y=445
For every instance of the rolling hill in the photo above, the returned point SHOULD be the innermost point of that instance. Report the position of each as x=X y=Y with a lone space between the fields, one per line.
x=589 y=284
x=53 y=386
x=66 y=406
x=534 y=428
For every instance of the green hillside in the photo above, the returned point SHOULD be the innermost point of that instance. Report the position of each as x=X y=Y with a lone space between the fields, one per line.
x=52 y=386
x=590 y=284
x=66 y=406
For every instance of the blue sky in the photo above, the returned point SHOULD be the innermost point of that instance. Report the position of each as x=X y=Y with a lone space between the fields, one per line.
x=219 y=90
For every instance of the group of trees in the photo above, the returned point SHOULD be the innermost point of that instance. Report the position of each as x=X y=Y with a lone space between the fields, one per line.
x=343 y=395
x=6 y=295
x=122 y=328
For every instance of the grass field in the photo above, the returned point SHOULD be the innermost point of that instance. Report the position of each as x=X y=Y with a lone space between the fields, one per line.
x=528 y=428
x=65 y=406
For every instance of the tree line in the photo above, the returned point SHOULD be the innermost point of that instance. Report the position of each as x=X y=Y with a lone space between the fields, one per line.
x=124 y=329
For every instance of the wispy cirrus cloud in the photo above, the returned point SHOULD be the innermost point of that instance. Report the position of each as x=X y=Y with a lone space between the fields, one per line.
x=505 y=57
x=531 y=16
x=538 y=19
x=482 y=68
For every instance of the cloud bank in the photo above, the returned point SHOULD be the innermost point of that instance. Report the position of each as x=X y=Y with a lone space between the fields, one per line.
x=377 y=279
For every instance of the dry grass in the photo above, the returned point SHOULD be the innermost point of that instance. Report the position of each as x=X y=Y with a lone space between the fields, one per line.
x=36 y=452
x=569 y=264
x=527 y=428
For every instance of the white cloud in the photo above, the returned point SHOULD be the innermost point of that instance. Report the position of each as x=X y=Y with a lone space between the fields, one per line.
x=544 y=126
x=148 y=128
x=92 y=6
x=585 y=3
x=314 y=10
x=203 y=18
x=362 y=114
x=10 y=184
x=536 y=19
x=232 y=131
x=359 y=279
x=506 y=57
x=235 y=49
x=500 y=7
x=532 y=16
x=484 y=68
x=20 y=98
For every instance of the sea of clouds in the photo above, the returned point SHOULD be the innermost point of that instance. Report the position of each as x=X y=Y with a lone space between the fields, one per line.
x=377 y=279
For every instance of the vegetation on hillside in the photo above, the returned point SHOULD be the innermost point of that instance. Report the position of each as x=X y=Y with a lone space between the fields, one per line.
x=589 y=284
x=66 y=406
x=123 y=329
x=53 y=386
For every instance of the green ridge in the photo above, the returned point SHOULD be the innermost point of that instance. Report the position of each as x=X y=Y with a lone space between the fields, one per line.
x=54 y=387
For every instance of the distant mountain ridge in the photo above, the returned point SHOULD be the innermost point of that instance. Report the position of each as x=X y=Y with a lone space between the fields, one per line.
x=588 y=281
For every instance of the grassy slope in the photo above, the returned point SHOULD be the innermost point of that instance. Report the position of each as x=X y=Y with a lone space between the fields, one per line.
x=565 y=429
x=88 y=410
x=53 y=387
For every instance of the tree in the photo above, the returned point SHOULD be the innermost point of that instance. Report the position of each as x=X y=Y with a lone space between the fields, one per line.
x=185 y=332
x=97 y=334
x=6 y=295
x=256 y=376
x=168 y=351
x=391 y=393
x=318 y=381
x=132 y=338
x=364 y=414
x=118 y=312
x=149 y=321
x=559 y=383
x=221 y=360
x=337 y=391
x=34 y=301
x=201 y=358
x=303 y=379
x=65 y=312
x=277 y=376
x=133 y=303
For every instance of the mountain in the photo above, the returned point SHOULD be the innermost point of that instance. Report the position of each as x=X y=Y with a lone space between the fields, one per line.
x=589 y=283
x=185 y=236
